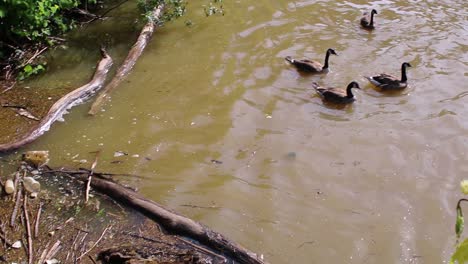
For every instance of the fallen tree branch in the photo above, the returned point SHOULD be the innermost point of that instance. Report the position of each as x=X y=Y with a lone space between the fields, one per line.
x=173 y=222
x=28 y=229
x=99 y=174
x=133 y=55
x=59 y=108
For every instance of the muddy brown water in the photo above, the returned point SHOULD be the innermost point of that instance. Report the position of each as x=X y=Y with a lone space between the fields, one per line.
x=213 y=116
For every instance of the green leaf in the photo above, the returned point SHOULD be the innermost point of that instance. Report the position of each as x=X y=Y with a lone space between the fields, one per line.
x=459 y=225
x=28 y=68
x=2 y=13
x=460 y=255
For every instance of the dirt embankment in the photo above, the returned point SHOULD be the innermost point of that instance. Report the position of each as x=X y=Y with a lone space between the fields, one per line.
x=63 y=227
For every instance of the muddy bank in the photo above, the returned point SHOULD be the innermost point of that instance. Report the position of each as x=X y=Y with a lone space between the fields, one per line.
x=70 y=231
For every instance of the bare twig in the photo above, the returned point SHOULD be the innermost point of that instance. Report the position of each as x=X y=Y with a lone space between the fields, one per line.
x=5 y=240
x=3 y=235
x=15 y=209
x=37 y=53
x=66 y=222
x=91 y=248
x=43 y=255
x=28 y=230
x=38 y=217
x=82 y=245
x=9 y=87
x=91 y=258
x=72 y=247
x=16 y=183
x=53 y=250
x=88 y=185
x=57 y=38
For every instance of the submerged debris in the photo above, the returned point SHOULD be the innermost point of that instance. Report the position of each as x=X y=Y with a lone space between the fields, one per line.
x=36 y=158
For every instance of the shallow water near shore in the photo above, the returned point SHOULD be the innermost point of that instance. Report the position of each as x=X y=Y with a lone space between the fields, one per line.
x=212 y=116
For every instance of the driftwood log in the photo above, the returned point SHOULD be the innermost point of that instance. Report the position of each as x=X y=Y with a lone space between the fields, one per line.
x=71 y=99
x=133 y=55
x=173 y=222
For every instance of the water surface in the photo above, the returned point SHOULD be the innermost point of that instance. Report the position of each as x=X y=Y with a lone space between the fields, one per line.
x=212 y=115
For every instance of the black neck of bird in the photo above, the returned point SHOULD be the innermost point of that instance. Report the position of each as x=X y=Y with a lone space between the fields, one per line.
x=403 y=73
x=326 y=60
x=349 y=93
x=371 y=19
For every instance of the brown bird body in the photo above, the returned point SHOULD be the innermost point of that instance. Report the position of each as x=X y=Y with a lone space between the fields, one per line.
x=336 y=95
x=367 y=20
x=311 y=66
x=389 y=82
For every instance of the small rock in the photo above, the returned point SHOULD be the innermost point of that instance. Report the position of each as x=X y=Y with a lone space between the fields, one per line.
x=9 y=187
x=135 y=156
x=33 y=195
x=31 y=185
x=17 y=244
x=52 y=261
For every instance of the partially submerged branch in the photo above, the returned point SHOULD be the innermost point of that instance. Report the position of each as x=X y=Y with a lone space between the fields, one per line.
x=173 y=222
x=59 y=108
x=133 y=55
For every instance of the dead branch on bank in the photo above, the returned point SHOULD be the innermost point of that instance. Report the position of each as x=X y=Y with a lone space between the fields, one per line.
x=38 y=217
x=95 y=244
x=90 y=176
x=28 y=229
x=133 y=55
x=15 y=209
x=173 y=222
x=59 y=108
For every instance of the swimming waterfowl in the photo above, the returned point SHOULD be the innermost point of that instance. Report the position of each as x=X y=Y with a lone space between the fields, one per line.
x=336 y=95
x=311 y=66
x=367 y=20
x=389 y=82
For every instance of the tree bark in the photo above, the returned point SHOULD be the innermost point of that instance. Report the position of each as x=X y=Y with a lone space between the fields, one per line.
x=59 y=108
x=173 y=222
x=133 y=55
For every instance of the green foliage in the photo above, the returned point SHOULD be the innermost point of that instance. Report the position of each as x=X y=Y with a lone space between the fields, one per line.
x=176 y=8
x=459 y=225
x=30 y=70
x=461 y=253
x=101 y=213
x=34 y=20
x=173 y=9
